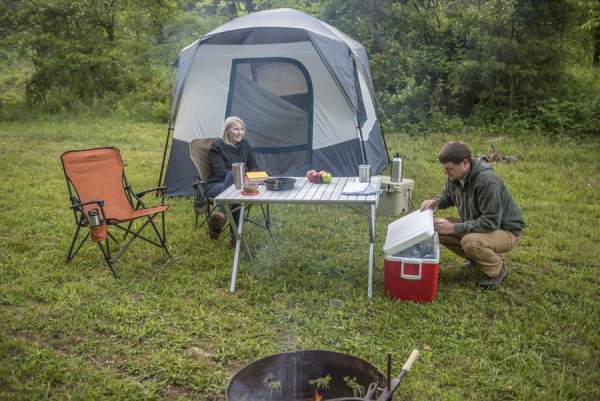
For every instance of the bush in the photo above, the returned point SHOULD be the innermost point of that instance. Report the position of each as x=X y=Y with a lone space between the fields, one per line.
x=577 y=111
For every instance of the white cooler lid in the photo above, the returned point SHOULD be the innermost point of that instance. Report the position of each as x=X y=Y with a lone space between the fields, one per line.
x=408 y=231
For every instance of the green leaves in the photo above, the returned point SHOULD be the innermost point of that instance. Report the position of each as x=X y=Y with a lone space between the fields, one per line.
x=431 y=62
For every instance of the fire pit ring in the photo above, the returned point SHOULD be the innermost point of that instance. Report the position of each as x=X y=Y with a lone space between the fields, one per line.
x=295 y=376
x=286 y=376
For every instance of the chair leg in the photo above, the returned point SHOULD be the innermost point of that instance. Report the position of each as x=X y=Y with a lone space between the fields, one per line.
x=71 y=254
x=107 y=257
x=164 y=226
x=137 y=234
x=163 y=238
x=112 y=237
x=128 y=228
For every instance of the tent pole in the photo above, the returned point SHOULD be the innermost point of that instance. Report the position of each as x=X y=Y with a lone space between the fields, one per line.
x=362 y=141
x=162 y=166
x=387 y=151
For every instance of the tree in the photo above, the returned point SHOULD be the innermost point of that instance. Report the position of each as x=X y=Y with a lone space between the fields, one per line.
x=592 y=25
x=82 y=49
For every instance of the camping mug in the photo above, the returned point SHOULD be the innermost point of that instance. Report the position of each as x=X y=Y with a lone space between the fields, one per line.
x=239 y=171
x=364 y=173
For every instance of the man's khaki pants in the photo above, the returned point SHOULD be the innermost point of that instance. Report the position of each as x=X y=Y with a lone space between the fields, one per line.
x=481 y=248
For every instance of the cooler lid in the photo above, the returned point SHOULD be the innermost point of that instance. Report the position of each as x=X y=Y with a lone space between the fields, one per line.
x=408 y=231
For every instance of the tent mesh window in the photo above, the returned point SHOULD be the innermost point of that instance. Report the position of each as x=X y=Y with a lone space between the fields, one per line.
x=274 y=98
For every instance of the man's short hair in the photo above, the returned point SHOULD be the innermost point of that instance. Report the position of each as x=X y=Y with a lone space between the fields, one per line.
x=455 y=152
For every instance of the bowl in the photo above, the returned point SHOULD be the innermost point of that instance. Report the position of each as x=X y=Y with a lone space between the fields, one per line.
x=279 y=183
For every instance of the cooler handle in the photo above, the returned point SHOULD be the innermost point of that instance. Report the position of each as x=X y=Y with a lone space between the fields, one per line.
x=407 y=276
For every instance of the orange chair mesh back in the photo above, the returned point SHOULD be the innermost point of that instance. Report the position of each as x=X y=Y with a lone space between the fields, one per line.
x=97 y=174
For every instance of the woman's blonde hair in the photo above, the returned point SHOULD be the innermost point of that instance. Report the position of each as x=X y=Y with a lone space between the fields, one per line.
x=227 y=124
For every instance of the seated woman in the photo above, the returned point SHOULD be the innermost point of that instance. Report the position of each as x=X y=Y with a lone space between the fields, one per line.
x=230 y=148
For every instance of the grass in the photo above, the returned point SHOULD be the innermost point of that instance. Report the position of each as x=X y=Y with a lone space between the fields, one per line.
x=71 y=331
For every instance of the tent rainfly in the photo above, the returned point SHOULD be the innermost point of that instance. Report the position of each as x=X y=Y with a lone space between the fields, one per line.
x=302 y=87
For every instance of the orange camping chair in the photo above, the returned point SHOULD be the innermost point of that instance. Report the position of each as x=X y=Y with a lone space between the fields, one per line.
x=102 y=199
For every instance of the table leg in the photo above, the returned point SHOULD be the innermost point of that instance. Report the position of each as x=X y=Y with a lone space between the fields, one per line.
x=237 y=233
x=371 y=249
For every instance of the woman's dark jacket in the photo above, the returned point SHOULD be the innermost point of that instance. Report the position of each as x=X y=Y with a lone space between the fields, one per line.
x=221 y=156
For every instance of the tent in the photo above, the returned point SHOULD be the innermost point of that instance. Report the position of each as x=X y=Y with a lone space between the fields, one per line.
x=302 y=87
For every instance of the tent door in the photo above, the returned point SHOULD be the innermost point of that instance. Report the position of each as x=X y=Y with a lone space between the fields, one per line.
x=274 y=97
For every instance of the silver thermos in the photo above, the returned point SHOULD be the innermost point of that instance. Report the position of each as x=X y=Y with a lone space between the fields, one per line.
x=94 y=219
x=396 y=168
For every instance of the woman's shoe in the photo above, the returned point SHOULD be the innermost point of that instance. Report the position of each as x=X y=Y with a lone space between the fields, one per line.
x=216 y=222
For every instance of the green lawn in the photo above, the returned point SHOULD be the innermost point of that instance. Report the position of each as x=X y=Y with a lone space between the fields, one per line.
x=71 y=331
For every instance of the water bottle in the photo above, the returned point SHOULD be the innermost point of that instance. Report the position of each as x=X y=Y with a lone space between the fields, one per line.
x=417 y=252
x=98 y=229
x=427 y=249
x=94 y=218
x=396 y=168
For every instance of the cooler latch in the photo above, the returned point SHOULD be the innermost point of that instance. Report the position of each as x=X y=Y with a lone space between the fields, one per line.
x=407 y=276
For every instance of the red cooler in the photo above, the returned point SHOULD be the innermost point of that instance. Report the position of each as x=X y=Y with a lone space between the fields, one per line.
x=412 y=256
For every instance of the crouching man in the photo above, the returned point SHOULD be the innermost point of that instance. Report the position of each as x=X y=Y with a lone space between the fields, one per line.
x=490 y=221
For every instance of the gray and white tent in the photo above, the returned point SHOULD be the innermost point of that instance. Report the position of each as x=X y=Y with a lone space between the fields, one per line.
x=302 y=87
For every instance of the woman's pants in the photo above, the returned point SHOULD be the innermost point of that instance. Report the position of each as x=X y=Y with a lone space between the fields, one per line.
x=216 y=188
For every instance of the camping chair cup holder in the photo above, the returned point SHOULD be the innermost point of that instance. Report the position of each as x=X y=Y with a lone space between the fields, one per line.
x=102 y=200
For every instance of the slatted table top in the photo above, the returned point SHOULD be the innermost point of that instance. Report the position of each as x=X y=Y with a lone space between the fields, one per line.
x=304 y=192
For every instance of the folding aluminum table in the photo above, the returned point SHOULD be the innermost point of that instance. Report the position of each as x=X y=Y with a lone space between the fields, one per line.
x=303 y=192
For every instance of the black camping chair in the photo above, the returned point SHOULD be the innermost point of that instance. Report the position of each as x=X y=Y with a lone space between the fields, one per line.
x=204 y=205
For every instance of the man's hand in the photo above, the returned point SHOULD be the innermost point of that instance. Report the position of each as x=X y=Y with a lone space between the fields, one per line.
x=429 y=204
x=443 y=226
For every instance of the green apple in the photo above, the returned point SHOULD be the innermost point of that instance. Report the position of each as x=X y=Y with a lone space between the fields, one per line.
x=326 y=178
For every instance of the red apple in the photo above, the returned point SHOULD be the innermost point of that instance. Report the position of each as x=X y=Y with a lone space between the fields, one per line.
x=310 y=172
x=314 y=177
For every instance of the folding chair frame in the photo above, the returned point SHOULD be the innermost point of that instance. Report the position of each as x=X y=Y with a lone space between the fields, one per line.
x=81 y=221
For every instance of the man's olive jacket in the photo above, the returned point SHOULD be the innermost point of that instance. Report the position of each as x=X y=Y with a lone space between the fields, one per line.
x=484 y=204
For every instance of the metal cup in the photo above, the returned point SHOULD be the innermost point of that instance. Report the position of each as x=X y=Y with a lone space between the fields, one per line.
x=239 y=171
x=364 y=173
x=94 y=218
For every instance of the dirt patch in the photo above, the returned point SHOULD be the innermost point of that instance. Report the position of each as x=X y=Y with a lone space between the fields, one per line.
x=174 y=392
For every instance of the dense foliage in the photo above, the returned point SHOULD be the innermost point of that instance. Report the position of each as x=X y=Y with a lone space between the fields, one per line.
x=436 y=63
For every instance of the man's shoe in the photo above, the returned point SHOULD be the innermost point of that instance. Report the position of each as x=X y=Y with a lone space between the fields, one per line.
x=493 y=283
x=216 y=222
